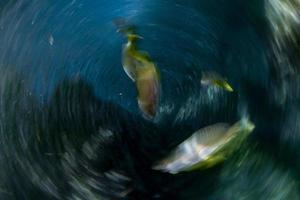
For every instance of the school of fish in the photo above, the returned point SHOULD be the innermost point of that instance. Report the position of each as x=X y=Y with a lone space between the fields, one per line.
x=206 y=147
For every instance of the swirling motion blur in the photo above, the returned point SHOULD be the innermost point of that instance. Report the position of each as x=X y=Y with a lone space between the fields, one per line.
x=70 y=123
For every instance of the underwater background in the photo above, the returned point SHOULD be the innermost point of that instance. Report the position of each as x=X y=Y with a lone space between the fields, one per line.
x=70 y=126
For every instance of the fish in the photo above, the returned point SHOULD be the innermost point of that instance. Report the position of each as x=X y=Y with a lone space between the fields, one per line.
x=140 y=68
x=215 y=79
x=206 y=147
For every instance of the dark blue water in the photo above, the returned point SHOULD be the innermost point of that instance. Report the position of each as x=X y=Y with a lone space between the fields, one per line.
x=70 y=123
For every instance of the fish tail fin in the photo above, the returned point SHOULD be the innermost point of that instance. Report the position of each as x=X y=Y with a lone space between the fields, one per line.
x=126 y=29
x=247 y=124
x=228 y=87
x=132 y=37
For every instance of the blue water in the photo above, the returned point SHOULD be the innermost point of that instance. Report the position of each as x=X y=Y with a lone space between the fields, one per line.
x=62 y=78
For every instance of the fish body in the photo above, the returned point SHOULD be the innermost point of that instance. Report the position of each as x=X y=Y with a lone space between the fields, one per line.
x=148 y=88
x=206 y=147
x=214 y=79
x=141 y=69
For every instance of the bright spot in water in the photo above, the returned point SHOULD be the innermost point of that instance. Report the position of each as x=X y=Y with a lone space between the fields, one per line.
x=51 y=40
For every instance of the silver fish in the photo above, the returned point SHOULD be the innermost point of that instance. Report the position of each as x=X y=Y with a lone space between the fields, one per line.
x=206 y=147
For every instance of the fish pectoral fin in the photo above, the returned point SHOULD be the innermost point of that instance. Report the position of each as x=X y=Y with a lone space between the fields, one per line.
x=130 y=73
x=208 y=163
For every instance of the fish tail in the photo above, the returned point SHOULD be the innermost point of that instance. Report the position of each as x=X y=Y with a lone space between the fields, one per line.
x=228 y=87
x=126 y=29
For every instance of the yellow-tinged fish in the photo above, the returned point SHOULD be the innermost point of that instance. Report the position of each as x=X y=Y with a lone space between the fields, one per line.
x=212 y=78
x=141 y=69
x=206 y=147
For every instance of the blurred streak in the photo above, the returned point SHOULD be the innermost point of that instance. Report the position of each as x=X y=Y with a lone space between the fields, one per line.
x=271 y=180
x=70 y=126
x=284 y=18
